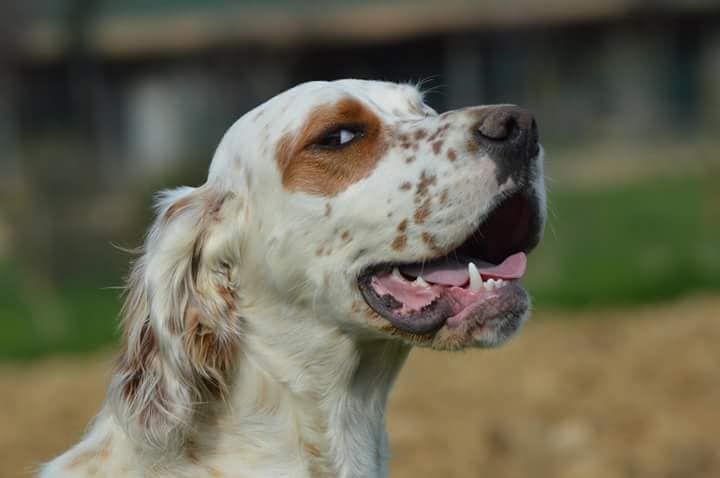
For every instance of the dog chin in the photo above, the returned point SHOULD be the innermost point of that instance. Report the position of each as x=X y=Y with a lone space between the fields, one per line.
x=471 y=333
x=490 y=334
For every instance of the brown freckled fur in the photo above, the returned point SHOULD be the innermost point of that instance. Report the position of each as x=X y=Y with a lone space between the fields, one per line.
x=402 y=227
x=399 y=242
x=429 y=239
x=444 y=196
x=328 y=209
x=345 y=236
x=437 y=145
x=405 y=186
x=422 y=212
x=327 y=172
x=451 y=154
x=409 y=159
x=420 y=134
x=423 y=185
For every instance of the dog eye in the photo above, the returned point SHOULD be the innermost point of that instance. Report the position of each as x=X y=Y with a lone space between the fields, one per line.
x=339 y=137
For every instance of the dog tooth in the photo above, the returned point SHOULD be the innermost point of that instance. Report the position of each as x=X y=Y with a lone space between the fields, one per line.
x=421 y=282
x=396 y=273
x=489 y=284
x=476 y=281
x=499 y=283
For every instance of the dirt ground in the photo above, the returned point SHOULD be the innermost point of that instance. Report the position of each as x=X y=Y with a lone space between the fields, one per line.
x=624 y=393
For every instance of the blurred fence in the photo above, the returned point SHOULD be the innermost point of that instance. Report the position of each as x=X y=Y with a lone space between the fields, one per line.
x=102 y=103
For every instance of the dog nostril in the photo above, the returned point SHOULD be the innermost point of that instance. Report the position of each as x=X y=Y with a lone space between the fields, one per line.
x=498 y=127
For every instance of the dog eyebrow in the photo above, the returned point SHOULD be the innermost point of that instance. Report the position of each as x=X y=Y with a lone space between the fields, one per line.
x=329 y=172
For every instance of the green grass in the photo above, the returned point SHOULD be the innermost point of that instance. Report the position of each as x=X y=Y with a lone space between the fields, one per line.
x=37 y=321
x=635 y=243
x=629 y=244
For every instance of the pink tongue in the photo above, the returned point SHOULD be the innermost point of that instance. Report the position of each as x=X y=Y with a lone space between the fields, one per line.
x=455 y=272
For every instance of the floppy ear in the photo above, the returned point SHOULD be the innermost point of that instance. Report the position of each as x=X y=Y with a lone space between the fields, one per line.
x=181 y=325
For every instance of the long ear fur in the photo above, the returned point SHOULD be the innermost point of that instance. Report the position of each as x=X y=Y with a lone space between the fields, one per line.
x=181 y=326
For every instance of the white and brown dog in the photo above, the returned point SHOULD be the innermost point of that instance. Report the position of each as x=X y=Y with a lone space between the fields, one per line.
x=272 y=307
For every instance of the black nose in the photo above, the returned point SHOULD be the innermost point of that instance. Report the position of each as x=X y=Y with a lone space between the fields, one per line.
x=509 y=135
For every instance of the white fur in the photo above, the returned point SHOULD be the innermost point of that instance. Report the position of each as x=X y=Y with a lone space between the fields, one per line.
x=304 y=393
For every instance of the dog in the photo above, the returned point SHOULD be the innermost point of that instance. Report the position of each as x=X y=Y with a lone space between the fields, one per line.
x=271 y=308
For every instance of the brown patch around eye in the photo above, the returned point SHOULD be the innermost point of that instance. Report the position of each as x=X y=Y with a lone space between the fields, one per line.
x=329 y=171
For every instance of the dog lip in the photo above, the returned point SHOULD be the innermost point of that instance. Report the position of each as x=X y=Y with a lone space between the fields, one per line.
x=425 y=321
x=504 y=305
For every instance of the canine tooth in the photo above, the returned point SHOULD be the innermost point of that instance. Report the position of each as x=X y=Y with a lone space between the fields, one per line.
x=421 y=282
x=396 y=273
x=476 y=281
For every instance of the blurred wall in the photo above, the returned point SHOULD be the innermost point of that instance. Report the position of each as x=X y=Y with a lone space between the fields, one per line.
x=97 y=98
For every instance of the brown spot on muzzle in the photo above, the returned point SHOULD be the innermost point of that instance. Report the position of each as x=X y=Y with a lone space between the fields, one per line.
x=308 y=167
x=437 y=145
x=422 y=212
x=399 y=242
x=423 y=186
x=429 y=239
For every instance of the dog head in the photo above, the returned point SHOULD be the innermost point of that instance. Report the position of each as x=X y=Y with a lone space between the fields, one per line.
x=391 y=218
x=351 y=202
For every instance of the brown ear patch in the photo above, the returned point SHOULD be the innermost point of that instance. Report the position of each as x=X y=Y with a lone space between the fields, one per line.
x=305 y=166
x=211 y=352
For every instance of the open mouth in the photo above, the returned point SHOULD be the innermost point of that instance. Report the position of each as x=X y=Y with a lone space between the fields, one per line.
x=477 y=281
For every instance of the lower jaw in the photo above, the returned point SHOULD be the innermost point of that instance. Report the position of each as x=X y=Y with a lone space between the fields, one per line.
x=511 y=300
x=497 y=316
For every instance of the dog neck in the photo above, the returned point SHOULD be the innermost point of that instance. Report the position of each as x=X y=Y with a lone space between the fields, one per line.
x=311 y=397
x=306 y=400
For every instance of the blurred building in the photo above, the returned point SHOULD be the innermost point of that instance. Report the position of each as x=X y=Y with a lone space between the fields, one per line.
x=146 y=84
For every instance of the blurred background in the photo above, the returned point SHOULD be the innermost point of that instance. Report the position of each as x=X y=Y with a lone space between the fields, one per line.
x=102 y=103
